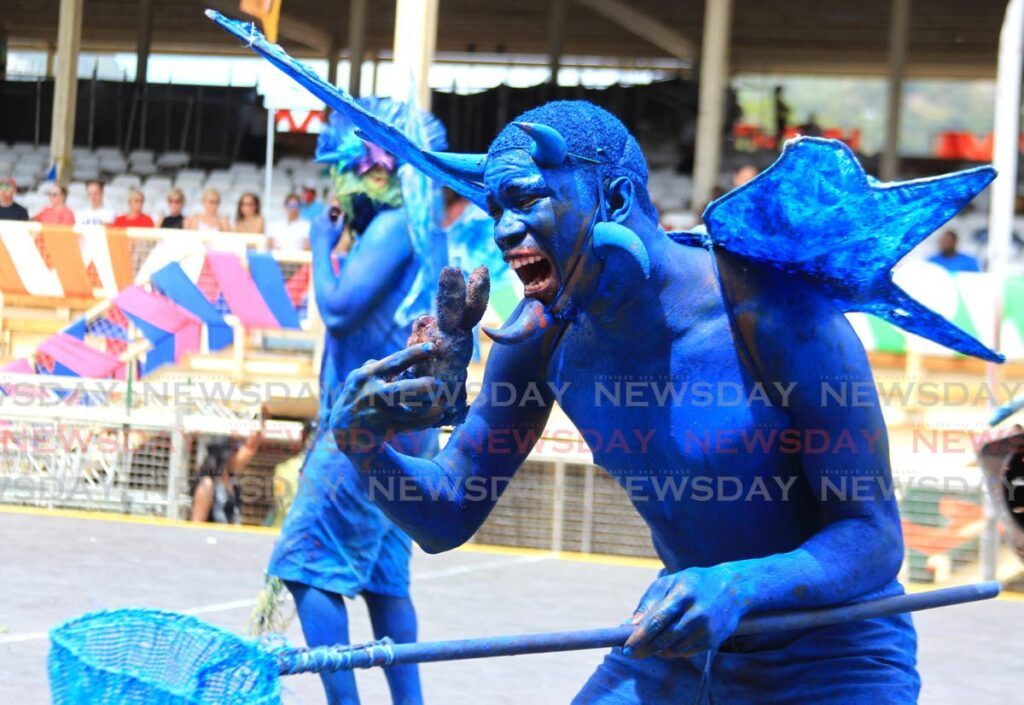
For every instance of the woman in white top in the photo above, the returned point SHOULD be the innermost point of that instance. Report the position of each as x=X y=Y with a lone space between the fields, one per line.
x=210 y=219
x=293 y=232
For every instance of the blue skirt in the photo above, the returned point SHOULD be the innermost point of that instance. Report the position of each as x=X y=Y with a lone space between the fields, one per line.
x=334 y=538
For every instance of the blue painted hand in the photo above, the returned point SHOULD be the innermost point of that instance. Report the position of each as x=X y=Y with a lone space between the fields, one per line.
x=325 y=233
x=684 y=613
x=371 y=408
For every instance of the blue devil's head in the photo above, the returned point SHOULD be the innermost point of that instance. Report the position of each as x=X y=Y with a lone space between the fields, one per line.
x=562 y=181
x=584 y=174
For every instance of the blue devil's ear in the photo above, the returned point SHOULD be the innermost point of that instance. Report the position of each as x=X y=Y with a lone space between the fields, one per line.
x=612 y=237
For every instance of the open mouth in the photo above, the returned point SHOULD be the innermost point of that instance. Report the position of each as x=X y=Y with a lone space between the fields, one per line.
x=536 y=271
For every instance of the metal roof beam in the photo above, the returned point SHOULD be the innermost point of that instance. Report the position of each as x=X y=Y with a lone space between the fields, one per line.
x=644 y=26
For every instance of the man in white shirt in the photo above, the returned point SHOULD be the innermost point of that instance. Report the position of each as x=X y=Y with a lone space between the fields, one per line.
x=293 y=232
x=95 y=214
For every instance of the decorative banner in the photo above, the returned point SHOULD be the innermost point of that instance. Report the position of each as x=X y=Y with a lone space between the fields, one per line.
x=303 y=121
x=172 y=282
x=37 y=278
x=70 y=356
x=226 y=283
x=172 y=331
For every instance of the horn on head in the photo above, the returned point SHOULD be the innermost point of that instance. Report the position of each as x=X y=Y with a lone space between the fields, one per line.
x=549 y=148
x=462 y=166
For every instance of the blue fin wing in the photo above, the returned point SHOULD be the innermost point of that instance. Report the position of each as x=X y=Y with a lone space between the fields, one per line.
x=816 y=213
x=372 y=128
x=424 y=210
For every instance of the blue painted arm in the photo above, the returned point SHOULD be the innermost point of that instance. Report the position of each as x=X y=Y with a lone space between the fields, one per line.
x=373 y=269
x=793 y=335
x=859 y=545
x=442 y=502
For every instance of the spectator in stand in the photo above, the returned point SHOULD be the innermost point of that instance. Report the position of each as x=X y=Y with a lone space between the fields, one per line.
x=210 y=219
x=744 y=174
x=134 y=218
x=949 y=258
x=9 y=210
x=175 y=203
x=311 y=207
x=96 y=213
x=782 y=113
x=247 y=215
x=286 y=478
x=811 y=128
x=215 y=495
x=57 y=213
x=293 y=232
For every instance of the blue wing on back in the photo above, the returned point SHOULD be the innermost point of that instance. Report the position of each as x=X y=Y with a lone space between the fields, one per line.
x=816 y=213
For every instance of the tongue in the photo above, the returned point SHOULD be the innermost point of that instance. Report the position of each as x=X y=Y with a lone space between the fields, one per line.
x=529 y=320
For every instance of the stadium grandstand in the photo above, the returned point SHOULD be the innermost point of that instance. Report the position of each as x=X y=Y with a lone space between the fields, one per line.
x=137 y=135
x=158 y=338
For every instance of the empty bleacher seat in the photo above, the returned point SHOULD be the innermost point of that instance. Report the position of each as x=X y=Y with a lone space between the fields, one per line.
x=126 y=181
x=172 y=160
x=113 y=163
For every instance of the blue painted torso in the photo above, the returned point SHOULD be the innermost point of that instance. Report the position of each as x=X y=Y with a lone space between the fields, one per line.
x=621 y=398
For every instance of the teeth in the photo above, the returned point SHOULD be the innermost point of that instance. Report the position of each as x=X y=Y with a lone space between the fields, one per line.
x=523 y=261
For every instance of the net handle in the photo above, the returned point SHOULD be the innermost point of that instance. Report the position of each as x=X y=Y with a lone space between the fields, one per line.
x=385 y=652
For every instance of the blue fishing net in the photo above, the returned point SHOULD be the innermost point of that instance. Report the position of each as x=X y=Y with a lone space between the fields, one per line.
x=150 y=656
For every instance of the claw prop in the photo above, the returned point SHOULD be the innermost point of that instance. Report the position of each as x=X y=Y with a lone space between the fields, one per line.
x=460 y=306
x=1006 y=411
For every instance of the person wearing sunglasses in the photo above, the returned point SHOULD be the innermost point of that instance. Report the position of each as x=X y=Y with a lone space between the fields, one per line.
x=9 y=210
x=210 y=218
x=57 y=213
x=175 y=203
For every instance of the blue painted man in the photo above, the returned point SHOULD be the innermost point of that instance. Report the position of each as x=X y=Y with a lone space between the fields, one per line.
x=775 y=498
x=335 y=543
x=745 y=509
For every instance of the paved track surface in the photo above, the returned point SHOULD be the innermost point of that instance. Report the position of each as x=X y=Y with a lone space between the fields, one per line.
x=58 y=566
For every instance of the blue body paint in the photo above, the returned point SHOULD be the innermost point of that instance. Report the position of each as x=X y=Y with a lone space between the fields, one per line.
x=335 y=542
x=746 y=509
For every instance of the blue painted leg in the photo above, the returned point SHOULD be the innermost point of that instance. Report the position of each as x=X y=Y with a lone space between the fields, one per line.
x=395 y=617
x=324 y=622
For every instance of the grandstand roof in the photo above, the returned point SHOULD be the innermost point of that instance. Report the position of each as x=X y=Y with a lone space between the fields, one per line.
x=947 y=37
